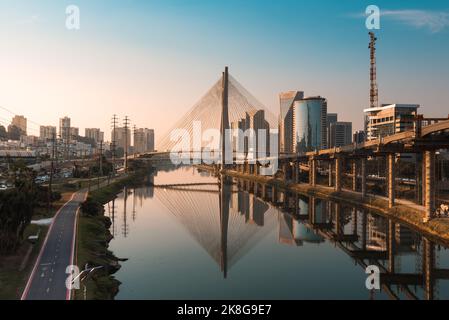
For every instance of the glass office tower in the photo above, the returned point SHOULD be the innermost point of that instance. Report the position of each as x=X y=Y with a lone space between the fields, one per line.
x=310 y=124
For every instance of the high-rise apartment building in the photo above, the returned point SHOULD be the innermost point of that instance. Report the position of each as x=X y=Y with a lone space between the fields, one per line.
x=47 y=133
x=21 y=123
x=122 y=138
x=143 y=140
x=74 y=132
x=64 y=129
x=95 y=134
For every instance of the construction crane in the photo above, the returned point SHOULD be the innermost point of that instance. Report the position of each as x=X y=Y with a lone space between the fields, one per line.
x=374 y=92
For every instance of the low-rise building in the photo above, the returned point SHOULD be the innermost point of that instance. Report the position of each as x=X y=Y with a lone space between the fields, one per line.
x=389 y=119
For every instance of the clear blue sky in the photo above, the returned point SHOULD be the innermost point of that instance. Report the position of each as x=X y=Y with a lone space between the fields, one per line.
x=152 y=60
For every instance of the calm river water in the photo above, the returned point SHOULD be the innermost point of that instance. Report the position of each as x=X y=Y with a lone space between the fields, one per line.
x=191 y=237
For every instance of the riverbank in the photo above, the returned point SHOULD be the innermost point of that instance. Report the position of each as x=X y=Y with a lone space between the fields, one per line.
x=93 y=237
x=404 y=212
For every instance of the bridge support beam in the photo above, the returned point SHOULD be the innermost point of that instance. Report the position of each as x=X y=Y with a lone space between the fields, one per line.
x=354 y=175
x=363 y=174
x=391 y=180
x=338 y=169
x=330 y=173
x=430 y=184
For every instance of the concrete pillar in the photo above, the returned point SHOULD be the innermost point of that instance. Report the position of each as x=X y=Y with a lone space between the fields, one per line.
x=338 y=174
x=330 y=174
x=391 y=179
x=419 y=178
x=354 y=175
x=363 y=174
x=430 y=184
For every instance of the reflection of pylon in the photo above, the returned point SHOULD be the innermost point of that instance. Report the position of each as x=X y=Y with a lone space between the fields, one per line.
x=125 y=226
x=134 y=205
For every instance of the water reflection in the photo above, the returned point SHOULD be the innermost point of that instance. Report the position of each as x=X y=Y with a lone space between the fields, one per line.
x=229 y=218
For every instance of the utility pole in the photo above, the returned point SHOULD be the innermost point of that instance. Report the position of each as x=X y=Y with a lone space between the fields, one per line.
x=114 y=141
x=126 y=123
x=100 y=171
x=52 y=169
x=134 y=137
x=374 y=92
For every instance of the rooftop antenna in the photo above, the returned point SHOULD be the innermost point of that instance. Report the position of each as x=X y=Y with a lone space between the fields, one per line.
x=374 y=92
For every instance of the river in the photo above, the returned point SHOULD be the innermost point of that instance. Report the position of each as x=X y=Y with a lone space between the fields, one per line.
x=194 y=236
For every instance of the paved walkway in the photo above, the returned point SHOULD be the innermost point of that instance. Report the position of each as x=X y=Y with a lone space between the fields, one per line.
x=48 y=278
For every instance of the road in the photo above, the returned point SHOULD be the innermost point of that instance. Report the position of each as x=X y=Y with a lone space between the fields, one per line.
x=48 y=278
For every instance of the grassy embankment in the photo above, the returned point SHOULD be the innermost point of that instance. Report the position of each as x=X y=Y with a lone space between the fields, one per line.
x=93 y=240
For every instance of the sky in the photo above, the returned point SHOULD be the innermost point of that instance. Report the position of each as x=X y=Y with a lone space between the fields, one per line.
x=153 y=60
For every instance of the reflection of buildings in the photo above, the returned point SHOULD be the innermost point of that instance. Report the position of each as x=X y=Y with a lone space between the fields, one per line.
x=228 y=228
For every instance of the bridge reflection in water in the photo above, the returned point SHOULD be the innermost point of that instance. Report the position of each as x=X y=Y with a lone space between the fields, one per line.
x=229 y=217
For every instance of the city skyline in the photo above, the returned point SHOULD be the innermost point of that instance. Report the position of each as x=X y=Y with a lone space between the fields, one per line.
x=152 y=72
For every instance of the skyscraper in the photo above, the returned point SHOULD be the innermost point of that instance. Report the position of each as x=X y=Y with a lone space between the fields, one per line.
x=340 y=134
x=286 y=119
x=331 y=118
x=309 y=124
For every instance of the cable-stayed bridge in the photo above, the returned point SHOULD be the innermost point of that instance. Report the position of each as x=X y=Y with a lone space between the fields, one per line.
x=226 y=102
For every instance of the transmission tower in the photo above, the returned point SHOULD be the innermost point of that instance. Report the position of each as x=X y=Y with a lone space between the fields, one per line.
x=374 y=93
x=126 y=123
x=114 y=141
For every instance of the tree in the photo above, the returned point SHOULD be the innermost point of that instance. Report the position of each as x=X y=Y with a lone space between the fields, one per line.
x=14 y=132
x=3 y=133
